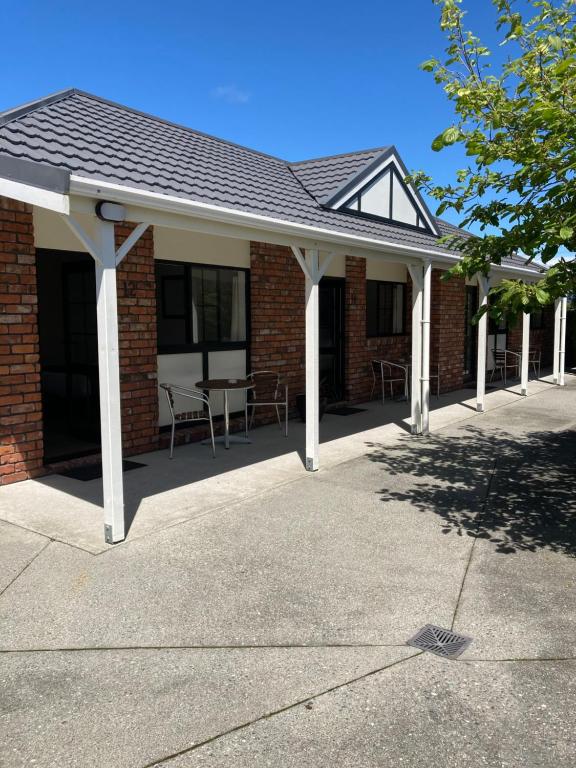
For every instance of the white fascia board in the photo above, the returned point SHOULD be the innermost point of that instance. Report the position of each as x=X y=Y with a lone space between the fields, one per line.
x=179 y=213
x=42 y=198
x=392 y=159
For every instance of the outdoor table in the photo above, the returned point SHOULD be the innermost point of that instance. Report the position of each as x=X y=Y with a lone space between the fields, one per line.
x=225 y=386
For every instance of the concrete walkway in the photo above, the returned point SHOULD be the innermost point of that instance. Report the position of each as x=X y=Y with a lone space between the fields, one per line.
x=164 y=493
x=271 y=631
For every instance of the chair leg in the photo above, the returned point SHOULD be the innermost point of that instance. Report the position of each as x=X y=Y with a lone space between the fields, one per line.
x=278 y=417
x=286 y=420
x=383 y=391
x=252 y=415
x=212 y=437
x=246 y=417
x=172 y=439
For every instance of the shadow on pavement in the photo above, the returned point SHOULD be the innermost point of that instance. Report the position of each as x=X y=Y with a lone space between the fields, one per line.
x=514 y=490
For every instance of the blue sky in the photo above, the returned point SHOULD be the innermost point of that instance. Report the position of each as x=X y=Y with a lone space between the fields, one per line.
x=297 y=80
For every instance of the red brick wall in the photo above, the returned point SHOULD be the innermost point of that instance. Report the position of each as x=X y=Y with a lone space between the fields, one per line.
x=20 y=398
x=136 y=284
x=360 y=350
x=447 y=321
x=540 y=338
x=277 y=304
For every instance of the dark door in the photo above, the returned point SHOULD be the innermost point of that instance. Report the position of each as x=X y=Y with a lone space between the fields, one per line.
x=470 y=333
x=331 y=299
x=68 y=354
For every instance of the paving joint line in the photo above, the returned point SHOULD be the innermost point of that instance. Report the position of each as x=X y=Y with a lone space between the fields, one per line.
x=28 y=564
x=273 y=713
x=280 y=646
x=481 y=512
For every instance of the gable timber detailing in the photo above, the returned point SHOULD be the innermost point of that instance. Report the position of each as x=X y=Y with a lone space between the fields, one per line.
x=379 y=191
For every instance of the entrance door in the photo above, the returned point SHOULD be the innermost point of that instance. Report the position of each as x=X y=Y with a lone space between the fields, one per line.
x=470 y=333
x=68 y=354
x=331 y=313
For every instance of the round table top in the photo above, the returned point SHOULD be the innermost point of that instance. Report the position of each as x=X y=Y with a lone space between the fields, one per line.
x=225 y=384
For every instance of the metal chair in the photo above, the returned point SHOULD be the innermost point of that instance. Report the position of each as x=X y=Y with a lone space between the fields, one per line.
x=269 y=391
x=387 y=372
x=535 y=360
x=501 y=363
x=183 y=417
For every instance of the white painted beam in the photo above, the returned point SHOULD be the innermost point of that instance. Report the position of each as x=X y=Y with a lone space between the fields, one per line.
x=562 y=339
x=425 y=373
x=43 y=198
x=483 y=287
x=109 y=377
x=417 y=276
x=312 y=362
x=525 y=353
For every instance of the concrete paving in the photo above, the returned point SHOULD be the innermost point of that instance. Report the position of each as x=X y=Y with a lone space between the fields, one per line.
x=167 y=493
x=270 y=630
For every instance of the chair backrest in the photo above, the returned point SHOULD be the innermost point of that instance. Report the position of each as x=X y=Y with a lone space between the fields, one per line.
x=176 y=390
x=266 y=384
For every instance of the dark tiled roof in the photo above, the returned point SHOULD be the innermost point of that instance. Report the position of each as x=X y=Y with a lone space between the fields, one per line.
x=323 y=176
x=98 y=139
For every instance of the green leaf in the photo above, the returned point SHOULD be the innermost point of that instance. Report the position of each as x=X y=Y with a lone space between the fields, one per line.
x=451 y=135
x=429 y=66
x=566 y=233
x=438 y=143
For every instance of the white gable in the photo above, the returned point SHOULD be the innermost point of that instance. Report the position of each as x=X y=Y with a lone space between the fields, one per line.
x=384 y=193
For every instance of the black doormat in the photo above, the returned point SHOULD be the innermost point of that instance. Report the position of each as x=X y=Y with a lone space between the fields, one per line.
x=473 y=386
x=94 y=471
x=344 y=410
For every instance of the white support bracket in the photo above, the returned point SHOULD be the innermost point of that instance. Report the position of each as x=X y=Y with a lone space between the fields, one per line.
x=130 y=241
x=484 y=287
x=106 y=257
x=305 y=267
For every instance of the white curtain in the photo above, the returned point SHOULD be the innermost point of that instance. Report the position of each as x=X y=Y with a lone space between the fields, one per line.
x=238 y=310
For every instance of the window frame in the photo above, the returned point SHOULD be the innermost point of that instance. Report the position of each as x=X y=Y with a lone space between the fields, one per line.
x=378 y=334
x=201 y=346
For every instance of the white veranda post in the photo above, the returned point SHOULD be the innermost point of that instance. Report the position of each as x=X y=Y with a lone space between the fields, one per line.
x=425 y=375
x=109 y=378
x=103 y=250
x=557 y=314
x=483 y=287
x=313 y=273
x=417 y=276
x=562 y=341
x=525 y=353
x=312 y=362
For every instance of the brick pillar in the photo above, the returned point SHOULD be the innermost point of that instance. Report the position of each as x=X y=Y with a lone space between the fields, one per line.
x=277 y=304
x=138 y=344
x=20 y=394
x=447 y=329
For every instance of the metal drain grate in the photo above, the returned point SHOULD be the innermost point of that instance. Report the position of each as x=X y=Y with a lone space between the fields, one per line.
x=442 y=642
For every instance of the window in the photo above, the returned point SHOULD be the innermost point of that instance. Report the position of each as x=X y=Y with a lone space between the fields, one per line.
x=200 y=305
x=387 y=197
x=385 y=308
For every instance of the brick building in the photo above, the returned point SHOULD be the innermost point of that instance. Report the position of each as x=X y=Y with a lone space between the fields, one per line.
x=214 y=283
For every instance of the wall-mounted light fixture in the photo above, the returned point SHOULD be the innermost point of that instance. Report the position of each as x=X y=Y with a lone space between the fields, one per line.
x=110 y=211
